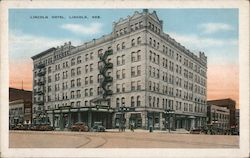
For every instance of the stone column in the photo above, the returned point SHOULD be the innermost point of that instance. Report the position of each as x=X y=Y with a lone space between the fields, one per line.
x=61 y=121
x=69 y=119
x=90 y=118
x=53 y=119
x=79 y=119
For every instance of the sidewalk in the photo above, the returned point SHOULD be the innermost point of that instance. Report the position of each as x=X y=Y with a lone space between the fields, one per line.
x=177 y=131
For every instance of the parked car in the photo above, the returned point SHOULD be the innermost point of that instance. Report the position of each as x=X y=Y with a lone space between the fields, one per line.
x=80 y=126
x=19 y=126
x=196 y=131
x=42 y=127
x=98 y=128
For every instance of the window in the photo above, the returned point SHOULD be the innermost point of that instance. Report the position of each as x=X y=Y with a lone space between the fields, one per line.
x=133 y=58
x=86 y=103
x=78 y=103
x=72 y=94
x=138 y=85
x=123 y=45
x=118 y=59
x=118 y=47
x=139 y=40
x=150 y=101
x=49 y=70
x=86 y=92
x=99 y=78
x=99 y=90
x=118 y=74
x=150 y=41
x=132 y=101
x=123 y=59
x=72 y=72
x=139 y=55
x=123 y=101
x=78 y=71
x=100 y=52
x=91 y=79
x=79 y=60
x=132 y=71
x=133 y=86
x=86 y=68
x=138 y=101
x=86 y=57
x=86 y=80
x=72 y=61
x=91 y=92
x=117 y=102
x=133 y=42
x=72 y=83
x=91 y=67
x=91 y=55
x=150 y=85
x=123 y=87
x=123 y=73
x=78 y=82
x=49 y=79
x=118 y=88
x=78 y=93
x=139 y=70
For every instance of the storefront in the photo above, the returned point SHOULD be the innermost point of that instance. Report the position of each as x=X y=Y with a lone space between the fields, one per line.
x=63 y=118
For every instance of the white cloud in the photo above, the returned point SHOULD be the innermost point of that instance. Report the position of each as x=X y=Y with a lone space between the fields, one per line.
x=194 y=42
x=92 y=28
x=24 y=46
x=208 y=28
x=217 y=50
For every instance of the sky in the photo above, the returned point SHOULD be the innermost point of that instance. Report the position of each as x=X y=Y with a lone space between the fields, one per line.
x=213 y=31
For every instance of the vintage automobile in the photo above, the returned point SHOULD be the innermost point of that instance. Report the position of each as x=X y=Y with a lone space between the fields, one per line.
x=196 y=131
x=41 y=127
x=19 y=126
x=98 y=128
x=80 y=127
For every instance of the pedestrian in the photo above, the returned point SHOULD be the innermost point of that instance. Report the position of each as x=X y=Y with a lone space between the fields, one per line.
x=132 y=127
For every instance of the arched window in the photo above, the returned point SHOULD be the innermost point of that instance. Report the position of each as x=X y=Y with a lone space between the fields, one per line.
x=118 y=47
x=100 y=51
x=139 y=40
x=150 y=41
x=133 y=42
x=73 y=61
x=138 y=55
x=123 y=45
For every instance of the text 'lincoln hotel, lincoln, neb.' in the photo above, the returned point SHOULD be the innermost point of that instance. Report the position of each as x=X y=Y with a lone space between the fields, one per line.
x=136 y=74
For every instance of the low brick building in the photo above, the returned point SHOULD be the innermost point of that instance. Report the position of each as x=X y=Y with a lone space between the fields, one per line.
x=228 y=103
x=20 y=106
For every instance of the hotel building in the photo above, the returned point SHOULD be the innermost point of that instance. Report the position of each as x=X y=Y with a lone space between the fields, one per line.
x=137 y=65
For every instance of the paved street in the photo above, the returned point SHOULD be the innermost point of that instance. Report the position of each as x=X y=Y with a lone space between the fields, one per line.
x=115 y=139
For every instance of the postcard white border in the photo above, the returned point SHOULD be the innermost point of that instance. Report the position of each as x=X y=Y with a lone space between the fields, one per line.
x=243 y=151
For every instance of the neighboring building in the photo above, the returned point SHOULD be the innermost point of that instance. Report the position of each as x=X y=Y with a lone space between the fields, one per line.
x=20 y=106
x=16 y=94
x=137 y=65
x=228 y=103
x=237 y=120
x=218 y=118
x=20 y=112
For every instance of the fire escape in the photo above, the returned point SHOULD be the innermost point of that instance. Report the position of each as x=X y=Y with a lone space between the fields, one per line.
x=106 y=79
x=41 y=116
x=102 y=100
